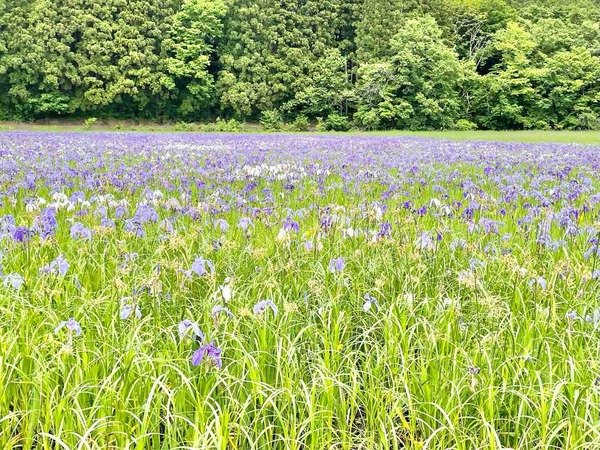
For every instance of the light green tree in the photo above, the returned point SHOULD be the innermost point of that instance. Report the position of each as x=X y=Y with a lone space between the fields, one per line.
x=418 y=87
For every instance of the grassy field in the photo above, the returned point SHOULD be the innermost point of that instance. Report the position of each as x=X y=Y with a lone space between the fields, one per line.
x=580 y=137
x=303 y=292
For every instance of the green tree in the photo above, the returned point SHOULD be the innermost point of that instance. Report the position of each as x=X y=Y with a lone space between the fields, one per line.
x=274 y=52
x=376 y=25
x=37 y=65
x=499 y=63
x=419 y=87
x=507 y=97
x=572 y=89
x=190 y=48
x=119 y=56
x=544 y=78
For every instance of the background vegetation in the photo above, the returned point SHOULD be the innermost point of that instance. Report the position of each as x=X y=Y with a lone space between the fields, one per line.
x=374 y=64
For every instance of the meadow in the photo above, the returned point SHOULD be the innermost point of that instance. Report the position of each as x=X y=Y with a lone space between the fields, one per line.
x=186 y=291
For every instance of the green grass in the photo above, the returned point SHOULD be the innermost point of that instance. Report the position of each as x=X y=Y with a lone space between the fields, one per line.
x=580 y=137
x=532 y=136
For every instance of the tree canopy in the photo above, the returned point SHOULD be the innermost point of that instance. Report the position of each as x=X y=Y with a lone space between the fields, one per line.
x=413 y=64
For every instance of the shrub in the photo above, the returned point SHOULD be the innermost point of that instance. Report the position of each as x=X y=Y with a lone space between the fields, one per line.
x=271 y=120
x=301 y=123
x=464 y=125
x=184 y=126
x=336 y=122
x=89 y=122
x=228 y=126
x=320 y=124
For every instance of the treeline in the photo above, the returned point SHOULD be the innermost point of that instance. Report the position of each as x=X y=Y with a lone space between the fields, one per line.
x=374 y=64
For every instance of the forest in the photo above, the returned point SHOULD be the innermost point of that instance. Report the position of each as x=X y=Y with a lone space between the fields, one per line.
x=370 y=64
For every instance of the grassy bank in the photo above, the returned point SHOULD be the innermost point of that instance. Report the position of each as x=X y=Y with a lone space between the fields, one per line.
x=581 y=137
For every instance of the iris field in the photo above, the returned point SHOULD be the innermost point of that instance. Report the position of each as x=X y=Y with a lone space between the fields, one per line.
x=175 y=291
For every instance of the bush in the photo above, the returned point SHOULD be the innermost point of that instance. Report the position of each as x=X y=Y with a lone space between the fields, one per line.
x=320 y=125
x=184 y=126
x=89 y=122
x=465 y=125
x=587 y=121
x=301 y=123
x=336 y=122
x=228 y=126
x=271 y=120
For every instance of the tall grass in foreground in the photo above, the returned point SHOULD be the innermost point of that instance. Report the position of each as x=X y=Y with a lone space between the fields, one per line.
x=462 y=313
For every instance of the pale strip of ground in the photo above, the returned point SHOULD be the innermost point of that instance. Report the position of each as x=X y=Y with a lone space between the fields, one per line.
x=580 y=137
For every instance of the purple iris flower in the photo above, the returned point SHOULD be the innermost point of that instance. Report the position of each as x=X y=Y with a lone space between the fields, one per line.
x=474 y=370
x=13 y=280
x=221 y=309
x=166 y=225
x=7 y=222
x=71 y=325
x=186 y=325
x=326 y=223
x=291 y=225
x=222 y=225
x=77 y=196
x=146 y=213
x=78 y=231
x=261 y=307
x=337 y=264
x=489 y=226
x=245 y=223
x=385 y=230
x=107 y=223
x=21 y=234
x=121 y=212
x=132 y=225
x=571 y=315
x=101 y=211
x=60 y=265
x=208 y=351
x=200 y=264
x=128 y=310
x=369 y=302
x=45 y=224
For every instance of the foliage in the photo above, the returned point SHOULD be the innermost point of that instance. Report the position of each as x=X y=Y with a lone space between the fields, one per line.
x=300 y=123
x=227 y=126
x=541 y=82
x=320 y=126
x=464 y=125
x=418 y=87
x=185 y=126
x=379 y=21
x=501 y=64
x=271 y=120
x=195 y=29
x=337 y=122
x=90 y=122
